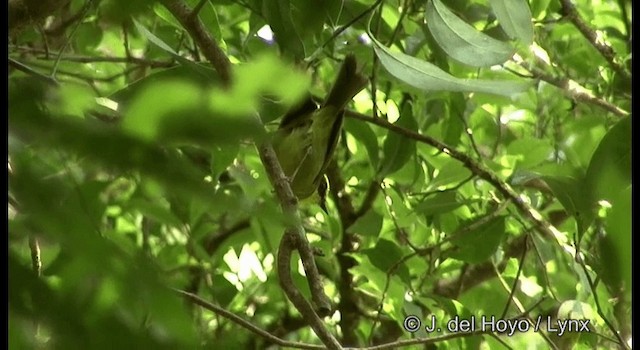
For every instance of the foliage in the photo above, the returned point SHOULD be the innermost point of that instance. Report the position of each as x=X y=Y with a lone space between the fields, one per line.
x=485 y=172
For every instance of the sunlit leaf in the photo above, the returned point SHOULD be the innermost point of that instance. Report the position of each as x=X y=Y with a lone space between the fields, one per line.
x=514 y=17
x=575 y=199
x=426 y=76
x=463 y=42
x=398 y=149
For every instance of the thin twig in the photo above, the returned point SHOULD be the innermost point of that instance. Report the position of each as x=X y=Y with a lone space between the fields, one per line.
x=84 y=11
x=28 y=70
x=594 y=293
x=542 y=226
x=133 y=60
x=369 y=197
x=514 y=287
x=198 y=7
x=351 y=22
x=244 y=323
x=391 y=270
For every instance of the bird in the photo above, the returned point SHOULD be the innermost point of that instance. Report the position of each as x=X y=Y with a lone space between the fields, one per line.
x=308 y=135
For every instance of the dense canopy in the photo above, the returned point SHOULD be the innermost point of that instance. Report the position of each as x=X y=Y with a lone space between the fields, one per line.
x=479 y=195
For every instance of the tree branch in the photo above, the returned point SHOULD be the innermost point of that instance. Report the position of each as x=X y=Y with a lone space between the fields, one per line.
x=244 y=323
x=294 y=236
x=94 y=59
x=289 y=242
x=203 y=39
x=569 y=11
x=542 y=226
x=290 y=207
x=564 y=84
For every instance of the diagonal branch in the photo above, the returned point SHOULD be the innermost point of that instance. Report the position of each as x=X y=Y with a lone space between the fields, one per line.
x=569 y=10
x=244 y=323
x=542 y=226
x=565 y=84
x=205 y=41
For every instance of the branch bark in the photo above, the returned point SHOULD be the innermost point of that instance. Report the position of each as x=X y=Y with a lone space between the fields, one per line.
x=570 y=11
x=210 y=49
x=543 y=227
x=294 y=237
x=295 y=233
x=564 y=84
x=244 y=323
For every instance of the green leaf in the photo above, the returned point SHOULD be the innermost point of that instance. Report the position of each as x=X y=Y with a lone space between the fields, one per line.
x=207 y=15
x=386 y=256
x=363 y=133
x=428 y=77
x=398 y=149
x=440 y=203
x=279 y=16
x=532 y=150
x=222 y=157
x=575 y=310
x=266 y=75
x=540 y=8
x=88 y=36
x=452 y=172
x=514 y=17
x=161 y=44
x=222 y=291
x=202 y=77
x=154 y=210
x=157 y=41
x=112 y=148
x=609 y=170
x=166 y=15
x=369 y=224
x=462 y=41
x=454 y=125
x=145 y=116
x=574 y=198
x=184 y=117
x=479 y=244
x=73 y=100
x=309 y=17
x=375 y=277
x=615 y=247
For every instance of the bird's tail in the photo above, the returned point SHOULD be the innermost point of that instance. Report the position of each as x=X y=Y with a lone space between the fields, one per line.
x=348 y=83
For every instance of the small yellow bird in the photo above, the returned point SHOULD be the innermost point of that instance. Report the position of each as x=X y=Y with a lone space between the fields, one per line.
x=308 y=135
